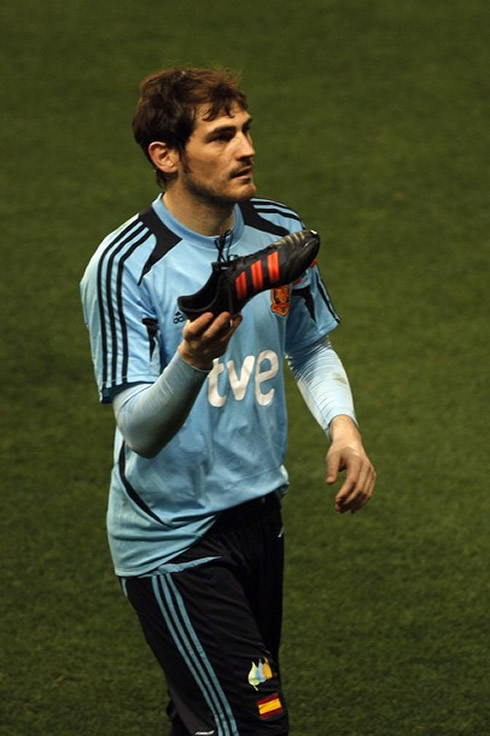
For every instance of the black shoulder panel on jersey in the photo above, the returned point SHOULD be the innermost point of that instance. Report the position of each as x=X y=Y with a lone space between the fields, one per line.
x=305 y=292
x=166 y=239
x=289 y=215
x=269 y=206
x=251 y=217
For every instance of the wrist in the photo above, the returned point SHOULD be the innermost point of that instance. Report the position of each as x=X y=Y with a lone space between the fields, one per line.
x=342 y=425
x=198 y=362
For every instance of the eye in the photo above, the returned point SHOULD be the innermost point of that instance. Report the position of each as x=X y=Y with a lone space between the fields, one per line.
x=222 y=135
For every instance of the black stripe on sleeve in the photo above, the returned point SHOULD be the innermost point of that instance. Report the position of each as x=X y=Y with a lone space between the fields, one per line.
x=124 y=237
x=120 y=309
x=325 y=295
x=113 y=260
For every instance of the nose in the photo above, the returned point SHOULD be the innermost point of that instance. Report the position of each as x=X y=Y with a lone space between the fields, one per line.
x=246 y=149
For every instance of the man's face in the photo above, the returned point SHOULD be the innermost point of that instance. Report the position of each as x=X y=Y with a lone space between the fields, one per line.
x=217 y=166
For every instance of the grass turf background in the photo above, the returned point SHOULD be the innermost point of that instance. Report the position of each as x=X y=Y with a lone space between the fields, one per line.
x=372 y=119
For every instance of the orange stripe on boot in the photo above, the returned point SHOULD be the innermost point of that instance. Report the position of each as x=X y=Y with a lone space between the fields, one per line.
x=241 y=285
x=273 y=267
x=257 y=275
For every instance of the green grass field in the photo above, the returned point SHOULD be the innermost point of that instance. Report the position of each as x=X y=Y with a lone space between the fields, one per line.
x=372 y=118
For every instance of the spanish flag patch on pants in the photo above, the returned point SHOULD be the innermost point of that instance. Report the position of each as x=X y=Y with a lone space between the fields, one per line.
x=270 y=706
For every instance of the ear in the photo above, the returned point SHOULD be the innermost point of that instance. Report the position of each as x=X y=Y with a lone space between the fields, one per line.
x=163 y=157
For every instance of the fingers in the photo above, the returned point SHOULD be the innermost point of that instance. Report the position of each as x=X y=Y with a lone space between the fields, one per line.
x=215 y=335
x=207 y=337
x=360 y=478
x=208 y=328
x=197 y=326
x=358 y=486
x=333 y=467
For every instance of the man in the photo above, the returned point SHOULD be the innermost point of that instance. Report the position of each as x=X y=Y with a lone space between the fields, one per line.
x=194 y=516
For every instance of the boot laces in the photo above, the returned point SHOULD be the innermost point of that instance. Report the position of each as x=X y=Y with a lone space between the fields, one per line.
x=223 y=245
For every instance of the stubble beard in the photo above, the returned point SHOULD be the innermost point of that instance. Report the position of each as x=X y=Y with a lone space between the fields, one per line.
x=211 y=196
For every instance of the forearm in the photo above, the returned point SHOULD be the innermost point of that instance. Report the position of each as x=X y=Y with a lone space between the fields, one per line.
x=323 y=383
x=149 y=415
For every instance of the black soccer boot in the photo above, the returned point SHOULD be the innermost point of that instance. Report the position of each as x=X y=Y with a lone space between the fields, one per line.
x=233 y=282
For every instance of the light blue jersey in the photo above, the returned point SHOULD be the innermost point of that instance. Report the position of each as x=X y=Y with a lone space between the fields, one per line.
x=232 y=445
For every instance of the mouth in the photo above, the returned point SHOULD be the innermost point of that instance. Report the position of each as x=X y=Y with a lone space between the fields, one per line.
x=245 y=173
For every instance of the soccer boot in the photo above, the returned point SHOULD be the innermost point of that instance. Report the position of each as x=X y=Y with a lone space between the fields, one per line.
x=233 y=282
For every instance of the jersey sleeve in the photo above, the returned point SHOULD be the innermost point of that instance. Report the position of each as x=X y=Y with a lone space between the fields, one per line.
x=312 y=314
x=122 y=324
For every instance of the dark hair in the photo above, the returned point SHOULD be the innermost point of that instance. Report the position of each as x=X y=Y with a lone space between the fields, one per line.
x=168 y=103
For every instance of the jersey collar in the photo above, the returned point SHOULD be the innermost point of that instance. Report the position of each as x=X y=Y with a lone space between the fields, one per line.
x=189 y=235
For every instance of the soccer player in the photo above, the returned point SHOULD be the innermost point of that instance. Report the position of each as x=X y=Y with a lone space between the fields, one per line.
x=194 y=513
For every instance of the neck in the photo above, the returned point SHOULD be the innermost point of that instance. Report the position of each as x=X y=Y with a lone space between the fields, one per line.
x=205 y=218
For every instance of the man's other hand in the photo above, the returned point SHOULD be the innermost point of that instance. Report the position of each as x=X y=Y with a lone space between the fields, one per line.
x=346 y=453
